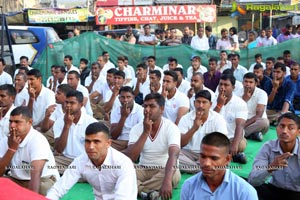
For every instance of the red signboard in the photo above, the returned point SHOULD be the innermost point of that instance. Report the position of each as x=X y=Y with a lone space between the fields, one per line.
x=155 y=14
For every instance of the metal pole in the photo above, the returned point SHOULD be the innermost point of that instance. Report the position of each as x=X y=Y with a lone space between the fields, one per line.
x=2 y=32
x=270 y=22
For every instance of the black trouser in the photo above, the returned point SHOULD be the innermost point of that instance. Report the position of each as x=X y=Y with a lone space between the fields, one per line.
x=270 y=192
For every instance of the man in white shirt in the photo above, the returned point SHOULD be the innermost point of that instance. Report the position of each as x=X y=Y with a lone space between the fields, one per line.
x=27 y=154
x=197 y=85
x=223 y=63
x=257 y=122
x=155 y=83
x=69 y=65
x=7 y=97
x=23 y=63
x=22 y=96
x=60 y=76
x=122 y=67
x=147 y=38
x=258 y=60
x=156 y=141
x=177 y=103
x=124 y=117
x=94 y=80
x=196 y=67
x=238 y=70
x=172 y=64
x=200 y=41
x=142 y=86
x=194 y=126
x=74 y=81
x=269 y=39
x=109 y=172
x=235 y=112
x=5 y=78
x=40 y=97
x=151 y=60
x=69 y=130
x=182 y=84
x=107 y=64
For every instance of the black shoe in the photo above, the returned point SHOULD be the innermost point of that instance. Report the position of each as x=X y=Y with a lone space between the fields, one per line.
x=240 y=158
x=256 y=136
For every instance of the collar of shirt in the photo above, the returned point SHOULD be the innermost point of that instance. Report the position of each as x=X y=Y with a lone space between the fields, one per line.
x=27 y=138
x=296 y=151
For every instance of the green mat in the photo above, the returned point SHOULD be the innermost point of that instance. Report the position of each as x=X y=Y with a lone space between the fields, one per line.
x=83 y=191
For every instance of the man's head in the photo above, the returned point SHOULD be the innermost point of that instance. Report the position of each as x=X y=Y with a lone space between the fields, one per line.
x=121 y=63
x=295 y=70
x=262 y=33
x=227 y=84
x=126 y=96
x=97 y=141
x=270 y=61
x=34 y=78
x=119 y=78
x=170 y=80
x=179 y=72
x=154 y=76
x=68 y=60
x=197 y=81
x=288 y=128
x=186 y=30
x=7 y=97
x=249 y=82
x=95 y=69
x=60 y=73
x=287 y=56
x=141 y=70
x=200 y=31
x=172 y=62
x=208 y=30
x=235 y=59
x=101 y=61
x=73 y=79
x=23 y=70
x=196 y=62
x=212 y=63
x=24 y=61
x=61 y=93
x=214 y=155
x=258 y=70
x=202 y=102
x=258 y=58
x=269 y=32
x=20 y=81
x=2 y=65
x=129 y=30
x=279 y=71
x=106 y=56
x=74 y=102
x=20 y=121
x=224 y=33
x=110 y=76
x=154 y=104
x=147 y=29
x=83 y=63
x=172 y=33
x=223 y=55
x=251 y=36
x=151 y=61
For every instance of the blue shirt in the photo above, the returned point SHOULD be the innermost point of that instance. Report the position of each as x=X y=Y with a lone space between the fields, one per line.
x=266 y=84
x=297 y=92
x=233 y=187
x=285 y=93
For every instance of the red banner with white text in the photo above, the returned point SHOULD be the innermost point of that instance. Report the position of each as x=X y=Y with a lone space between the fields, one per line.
x=155 y=14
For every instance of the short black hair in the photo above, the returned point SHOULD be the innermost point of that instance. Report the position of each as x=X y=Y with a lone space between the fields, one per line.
x=208 y=28
x=95 y=64
x=151 y=57
x=120 y=73
x=258 y=66
x=156 y=72
x=178 y=69
x=61 y=68
x=213 y=60
x=126 y=89
x=198 y=74
x=258 y=55
x=160 y=100
x=35 y=72
x=142 y=65
x=271 y=59
x=24 y=57
x=227 y=71
x=104 y=52
x=291 y=116
x=286 y=52
x=229 y=77
x=112 y=71
x=69 y=57
x=26 y=70
x=146 y=25
x=77 y=75
x=65 y=88
x=22 y=110
x=85 y=61
x=216 y=139
x=74 y=93
x=251 y=75
x=24 y=76
x=172 y=74
x=10 y=90
x=281 y=66
x=204 y=94
x=97 y=127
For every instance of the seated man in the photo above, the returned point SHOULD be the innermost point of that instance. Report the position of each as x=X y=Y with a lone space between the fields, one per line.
x=22 y=96
x=157 y=141
x=69 y=130
x=257 y=122
x=215 y=181
x=27 y=154
x=264 y=82
x=194 y=126
x=235 y=112
x=109 y=172
x=124 y=117
x=279 y=160
x=295 y=78
x=7 y=98
x=282 y=93
x=182 y=84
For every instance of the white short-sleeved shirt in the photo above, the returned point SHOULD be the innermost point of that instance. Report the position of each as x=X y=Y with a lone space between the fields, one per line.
x=34 y=147
x=214 y=123
x=172 y=105
x=223 y=44
x=259 y=96
x=136 y=116
x=99 y=82
x=184 y=86
x=22 y=98
x=239 y=73
x=237 y=87
x=5 y=78
x=147 y=38
x=269 y=41
x=155 y=150
x=40 y=105
x=4 y=123
x=251 y=68
x=144 y=87
x=17 y=71
x=190 y=72
x=200 y=43
x=58 y=112
x=72 y=68
x=166 y=67
x=85 y=93
x=192 y=99
x=116 y=179
x=105 y=91
x=75 y=142
x=236 y=108
x=127 y=76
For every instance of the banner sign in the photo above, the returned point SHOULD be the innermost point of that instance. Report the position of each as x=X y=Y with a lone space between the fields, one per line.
x=123 y=2
x=155 y=14
x=58 y=15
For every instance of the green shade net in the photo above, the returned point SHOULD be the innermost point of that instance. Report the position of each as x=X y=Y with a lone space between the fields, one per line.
x=90 y=45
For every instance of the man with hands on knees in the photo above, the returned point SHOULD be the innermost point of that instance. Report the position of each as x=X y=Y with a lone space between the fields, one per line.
x=27 y=154
x=279 y=160
x=157 y=141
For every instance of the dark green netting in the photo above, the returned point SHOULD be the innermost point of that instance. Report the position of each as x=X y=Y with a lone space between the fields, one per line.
x=90 y=45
